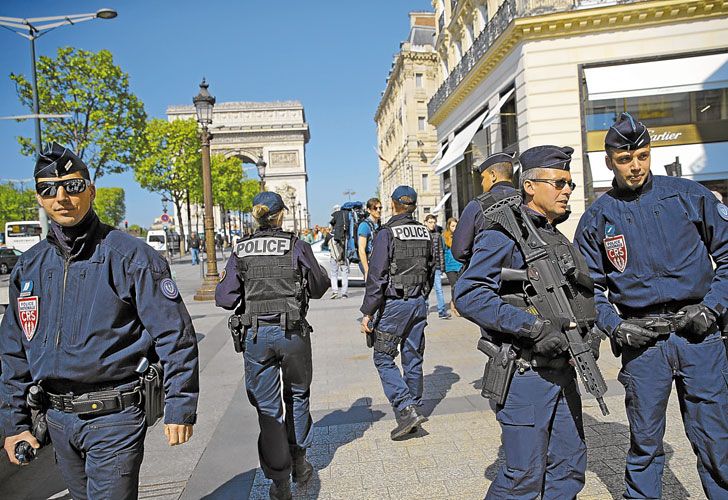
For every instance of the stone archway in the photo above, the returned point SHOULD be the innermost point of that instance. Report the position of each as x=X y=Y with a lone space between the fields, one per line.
x=276 y=131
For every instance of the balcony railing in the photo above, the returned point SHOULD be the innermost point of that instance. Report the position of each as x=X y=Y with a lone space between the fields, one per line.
x=507 y=12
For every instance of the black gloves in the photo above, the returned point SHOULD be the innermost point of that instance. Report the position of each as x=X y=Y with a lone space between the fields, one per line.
x=629 y=334
x=696 y=321
x=549 y=339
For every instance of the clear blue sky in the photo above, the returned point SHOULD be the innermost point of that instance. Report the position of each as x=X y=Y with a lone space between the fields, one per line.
x=331 y=55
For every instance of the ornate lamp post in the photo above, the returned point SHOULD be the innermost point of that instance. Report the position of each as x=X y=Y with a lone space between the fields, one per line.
x=261 y=164
x=204 y=103
x=300 y=220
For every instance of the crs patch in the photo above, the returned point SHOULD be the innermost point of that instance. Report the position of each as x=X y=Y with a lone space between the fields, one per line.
x=28 y=314
x=723 y=211
x=267 y=245
x=616 y=248
x=169 y=288
x=411 y=232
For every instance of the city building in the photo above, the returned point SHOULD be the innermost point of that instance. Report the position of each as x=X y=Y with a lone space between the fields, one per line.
x=529 y=72
x=406 y=142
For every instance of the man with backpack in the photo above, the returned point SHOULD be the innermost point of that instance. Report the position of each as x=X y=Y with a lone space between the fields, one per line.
x=365 y=233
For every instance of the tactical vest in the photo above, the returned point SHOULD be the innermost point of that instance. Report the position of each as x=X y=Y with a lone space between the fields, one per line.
x=486 y=200
x=411 y=250
x=271 y=284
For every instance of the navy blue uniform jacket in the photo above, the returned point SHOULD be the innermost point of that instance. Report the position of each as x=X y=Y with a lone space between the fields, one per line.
x=230 y=292
x=472 y=222
x=669 y=230
x=378 y=287
x=99 y=313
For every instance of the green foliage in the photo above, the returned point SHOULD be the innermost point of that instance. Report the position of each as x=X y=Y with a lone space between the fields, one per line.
x=137 y=230
x=110 y=206
x=16 y=205
x=230 y=186
x=106 y=120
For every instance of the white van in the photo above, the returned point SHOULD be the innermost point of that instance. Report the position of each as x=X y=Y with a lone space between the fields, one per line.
x=157 y=239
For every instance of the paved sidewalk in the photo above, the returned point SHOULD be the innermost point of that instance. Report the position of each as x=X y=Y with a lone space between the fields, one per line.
x=454 y=457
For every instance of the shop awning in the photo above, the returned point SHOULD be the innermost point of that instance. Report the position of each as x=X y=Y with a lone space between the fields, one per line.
x=441 y=203
x=668 y=76
x=700 y=162
x=456 y=151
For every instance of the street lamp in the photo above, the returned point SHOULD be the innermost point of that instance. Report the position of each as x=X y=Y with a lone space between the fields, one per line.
x=204 y=103
x=165 y=200
x=300 y=220
x=261 y=164
x=27 y=28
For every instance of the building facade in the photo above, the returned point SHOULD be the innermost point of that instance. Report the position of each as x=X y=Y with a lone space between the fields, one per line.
x=277 y=133
x=529 y=72
x=406 y=142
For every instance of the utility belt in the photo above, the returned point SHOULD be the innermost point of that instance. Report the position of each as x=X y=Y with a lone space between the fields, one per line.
x=239 y=323
x=96 y=403
x=656 y=310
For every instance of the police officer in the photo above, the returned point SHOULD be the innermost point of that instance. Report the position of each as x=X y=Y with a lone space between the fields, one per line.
x=86 y=305
x=496 y=179
x=541 y=420
x=399 y=280
x=268 y=280
x=649 y=242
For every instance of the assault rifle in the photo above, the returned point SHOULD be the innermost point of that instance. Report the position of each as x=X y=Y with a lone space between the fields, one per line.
x=552 y=281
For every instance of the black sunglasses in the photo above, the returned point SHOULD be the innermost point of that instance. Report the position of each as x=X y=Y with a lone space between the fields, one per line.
x=71 y=186
x=558 y=184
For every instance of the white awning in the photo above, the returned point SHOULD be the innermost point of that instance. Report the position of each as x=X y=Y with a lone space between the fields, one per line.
x=700 y=162
x=456 y=151
x=668 y=76
x=441 y=203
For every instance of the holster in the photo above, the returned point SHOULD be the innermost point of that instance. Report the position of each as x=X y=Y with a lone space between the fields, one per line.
x=386 y=343
x=38 y=404
x=499 y=370
x=237 y=330
x=152 y=385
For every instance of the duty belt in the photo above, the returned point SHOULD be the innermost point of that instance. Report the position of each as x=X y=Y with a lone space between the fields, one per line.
x=663 y=309
x=111 y=401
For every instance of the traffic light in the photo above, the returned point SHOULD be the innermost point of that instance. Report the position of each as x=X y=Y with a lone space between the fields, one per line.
x=126 y=224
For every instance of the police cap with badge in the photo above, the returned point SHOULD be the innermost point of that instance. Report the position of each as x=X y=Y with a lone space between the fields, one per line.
x=58 y=161
x=627 y=134
x=494 y=159
x=546 y=157
x=405 y=195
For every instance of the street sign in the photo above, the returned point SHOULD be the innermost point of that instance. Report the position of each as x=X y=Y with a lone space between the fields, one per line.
x=165 y=218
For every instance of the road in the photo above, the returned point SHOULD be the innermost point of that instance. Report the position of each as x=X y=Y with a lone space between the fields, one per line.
x=456 y=456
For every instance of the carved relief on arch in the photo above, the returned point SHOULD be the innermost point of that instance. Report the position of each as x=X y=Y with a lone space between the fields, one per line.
x=284 y=158
x=247 y=155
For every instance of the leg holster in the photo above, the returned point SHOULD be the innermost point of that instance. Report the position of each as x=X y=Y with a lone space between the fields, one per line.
x=387 y=343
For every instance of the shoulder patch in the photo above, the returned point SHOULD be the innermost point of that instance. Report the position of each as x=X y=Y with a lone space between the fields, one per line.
x=26 y=288
x=411 y=232
x=169 y=288
x=723 y=211
x=268 y=245
x=610 y=230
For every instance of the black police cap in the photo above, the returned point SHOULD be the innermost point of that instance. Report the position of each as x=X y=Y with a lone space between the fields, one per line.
x=496 y=158
x=57 y=161
x=627 y=134
x=546 y=157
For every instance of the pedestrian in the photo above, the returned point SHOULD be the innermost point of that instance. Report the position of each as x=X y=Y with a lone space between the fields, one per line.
x=338 y=263
x=219 y=242
x=365 y=233
x=452 y=266
x=395 y=308
x=195 y=248
x=496 y=179
x=541 y=417
x=649 y=243
x=438 y=263
x=87 y=305
x=263 y=281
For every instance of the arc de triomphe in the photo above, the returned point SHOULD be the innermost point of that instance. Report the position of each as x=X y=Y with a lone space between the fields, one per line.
x=275 y=131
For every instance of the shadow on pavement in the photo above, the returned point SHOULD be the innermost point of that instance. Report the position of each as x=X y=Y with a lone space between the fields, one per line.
x=606 y=461
x=234 y=487
x=440 y=380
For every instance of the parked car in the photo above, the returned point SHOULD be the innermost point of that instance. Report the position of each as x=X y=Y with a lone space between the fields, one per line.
x=323 y=257
x=8 y=258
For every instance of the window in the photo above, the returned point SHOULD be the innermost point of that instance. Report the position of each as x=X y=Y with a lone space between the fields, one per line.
x=421 y=123
x=418 y=80
x=425 y=182
x=426 y=210
x=509 y=124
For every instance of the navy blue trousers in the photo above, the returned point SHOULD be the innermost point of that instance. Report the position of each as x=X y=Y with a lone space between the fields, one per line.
x=700 y=372
x=407 y=320
x=543 y=438
x=99 y=457
x=273 y=352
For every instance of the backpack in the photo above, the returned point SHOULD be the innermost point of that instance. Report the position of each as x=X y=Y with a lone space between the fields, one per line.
x=340 y=224
x=354 y=213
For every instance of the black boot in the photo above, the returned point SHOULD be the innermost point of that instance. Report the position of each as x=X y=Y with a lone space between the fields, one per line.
x=407 y=419
x=280 y=489
x=302 y=468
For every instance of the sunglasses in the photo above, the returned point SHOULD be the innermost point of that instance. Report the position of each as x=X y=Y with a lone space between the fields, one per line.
x=558 y=184
x=48 y=189
x=377 y=208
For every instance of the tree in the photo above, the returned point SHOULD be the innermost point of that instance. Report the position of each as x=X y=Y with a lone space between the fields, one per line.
x=170 y=161
x=231 y=189
x=106 y=117
x=109 y=205
x=16 y=204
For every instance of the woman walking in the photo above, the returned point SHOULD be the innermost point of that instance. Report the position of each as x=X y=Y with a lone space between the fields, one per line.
x=452 y=266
